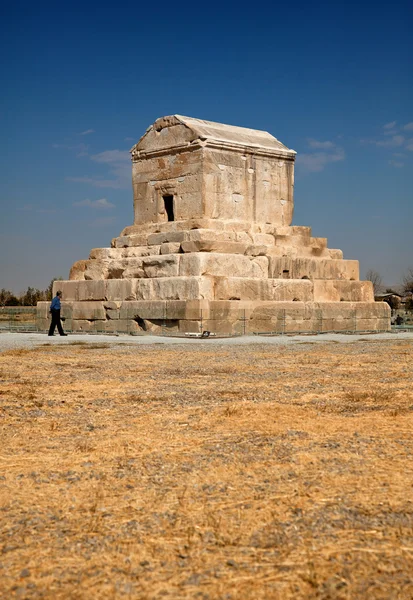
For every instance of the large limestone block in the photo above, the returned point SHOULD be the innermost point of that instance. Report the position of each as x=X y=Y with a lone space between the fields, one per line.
x=256 y=250
x=105 y=253
x=66 y=311
x=96 y=269
x=313 y=268
x=91 y=290
x=372 y=310
x=343 y=291
x=279 y=310
x=170 y=247
x=239 y=288
x=368 y=316
x=263 y=238
x=125 y=241
x=116 y=268
x=138 y=251
x=214 y=246
x=335 y=310
x=221 y=264
x=246 y=237
x=153 y=309
x=133 y=268
x=89 y=311
x=218 y=236
x=335 y=253
x=173 y=288
x=168 y=310
x=121 y=326
x=161 y=238
x=166 y=265
x=298 y=231
x=231 y=310
x=69 y=290
x=119 y=253
x=373 y=324
x=142 y=289
x=112 y=310
x=77 y=271
x=119 y=289
x=319 y=246
x=83 y=326
x=221 y=327
x=190 y=309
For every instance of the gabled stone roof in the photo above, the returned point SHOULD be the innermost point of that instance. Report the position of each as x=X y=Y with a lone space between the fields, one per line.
x=231 y=133
x=212 y=134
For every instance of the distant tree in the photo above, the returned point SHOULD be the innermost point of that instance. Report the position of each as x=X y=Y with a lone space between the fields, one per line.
x=408 y=282
x=4 y=296
x=31 y=297
x=7 y=298
x=376 y=280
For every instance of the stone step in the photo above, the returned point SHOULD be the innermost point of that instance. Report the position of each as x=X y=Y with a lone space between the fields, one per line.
x=312 y=268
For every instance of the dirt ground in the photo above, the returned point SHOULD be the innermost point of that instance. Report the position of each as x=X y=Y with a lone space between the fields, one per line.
x=245 y=472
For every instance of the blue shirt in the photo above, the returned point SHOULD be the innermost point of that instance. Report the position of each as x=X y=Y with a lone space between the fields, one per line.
x=55 y=305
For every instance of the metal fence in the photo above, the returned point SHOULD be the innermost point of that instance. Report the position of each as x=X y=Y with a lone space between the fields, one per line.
x=202 y=323
x=19 y=318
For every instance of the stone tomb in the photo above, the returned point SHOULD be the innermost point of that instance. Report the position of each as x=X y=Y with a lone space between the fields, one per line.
x=212 y=246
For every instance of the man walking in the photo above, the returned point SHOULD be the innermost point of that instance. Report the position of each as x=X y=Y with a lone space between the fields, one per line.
x=55 y=310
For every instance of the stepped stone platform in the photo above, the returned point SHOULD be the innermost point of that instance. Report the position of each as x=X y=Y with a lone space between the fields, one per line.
x=212 y=244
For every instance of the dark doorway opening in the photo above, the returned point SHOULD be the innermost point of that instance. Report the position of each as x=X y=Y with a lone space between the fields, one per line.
x=169 y=207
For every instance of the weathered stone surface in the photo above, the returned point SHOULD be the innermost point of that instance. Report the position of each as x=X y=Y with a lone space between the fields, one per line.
x=263 y=239
x=336 y=254
x=119 y=289
x=96 y=269
x=256 y=250
x=166 y=265
x=91 y=290
x=220 y=265
x=239 y=288
x=155 y=309
x=343 y=291
x=91 y=311
x=78 y=270
x=69 y=289
x=214 y=246
x=313 y=268
x=173 y=288
x=133 y=268
x=137 y=251
x=170 y=247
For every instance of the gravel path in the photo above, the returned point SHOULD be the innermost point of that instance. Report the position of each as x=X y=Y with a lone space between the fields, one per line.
x=10 y=341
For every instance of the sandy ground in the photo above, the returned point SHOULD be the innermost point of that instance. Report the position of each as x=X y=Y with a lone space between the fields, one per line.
x=236 y=469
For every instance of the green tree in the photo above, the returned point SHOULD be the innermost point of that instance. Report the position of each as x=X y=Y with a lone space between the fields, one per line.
x=32 y=296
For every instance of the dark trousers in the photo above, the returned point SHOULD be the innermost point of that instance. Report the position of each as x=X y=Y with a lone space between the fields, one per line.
x=56 y=321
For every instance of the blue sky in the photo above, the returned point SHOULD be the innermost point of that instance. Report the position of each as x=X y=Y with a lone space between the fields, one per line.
x=81 y=83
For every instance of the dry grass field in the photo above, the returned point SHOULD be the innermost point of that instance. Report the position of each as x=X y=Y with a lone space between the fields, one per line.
x=207 y=471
